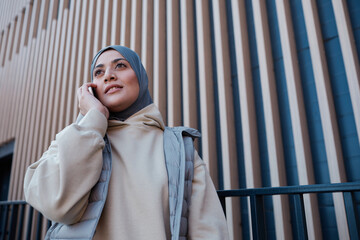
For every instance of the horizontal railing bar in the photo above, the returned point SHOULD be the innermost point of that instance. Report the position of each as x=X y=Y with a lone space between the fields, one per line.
x=19 y=202
x=299 y=189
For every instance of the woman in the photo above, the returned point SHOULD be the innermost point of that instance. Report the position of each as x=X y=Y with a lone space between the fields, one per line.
x=118 y=172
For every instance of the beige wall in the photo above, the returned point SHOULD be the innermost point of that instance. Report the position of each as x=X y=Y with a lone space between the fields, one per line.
x=45 y=53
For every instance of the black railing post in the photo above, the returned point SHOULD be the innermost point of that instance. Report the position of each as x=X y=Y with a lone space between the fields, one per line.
x=21 y=222
x=39 y=225
x=4 y=215
x=223 y=204
x=258 y=217
x=353 y=221
x=29 y=223
x=48 y=224
x=13 y=221
x=300 y=220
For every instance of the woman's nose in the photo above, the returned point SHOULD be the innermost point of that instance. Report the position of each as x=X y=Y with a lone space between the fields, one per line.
x=109 y=75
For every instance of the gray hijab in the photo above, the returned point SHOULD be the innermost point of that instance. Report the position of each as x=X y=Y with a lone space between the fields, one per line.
x=144 y=98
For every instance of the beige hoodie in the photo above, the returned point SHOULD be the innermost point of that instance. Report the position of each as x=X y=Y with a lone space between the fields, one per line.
x=137 y=204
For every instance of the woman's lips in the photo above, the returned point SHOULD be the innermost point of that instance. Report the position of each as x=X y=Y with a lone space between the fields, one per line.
x=112 y=88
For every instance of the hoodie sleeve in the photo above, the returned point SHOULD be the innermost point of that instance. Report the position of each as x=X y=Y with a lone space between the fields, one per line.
x=59 y=183
x=206 y=217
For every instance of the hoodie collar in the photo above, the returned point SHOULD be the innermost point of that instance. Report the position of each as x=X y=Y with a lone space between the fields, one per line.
x=148 y=116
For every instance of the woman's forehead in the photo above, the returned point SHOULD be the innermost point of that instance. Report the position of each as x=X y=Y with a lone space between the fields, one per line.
x=108 y=56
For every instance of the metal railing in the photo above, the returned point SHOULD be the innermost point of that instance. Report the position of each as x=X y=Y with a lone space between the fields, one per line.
x=16 y=221
x=258 y=220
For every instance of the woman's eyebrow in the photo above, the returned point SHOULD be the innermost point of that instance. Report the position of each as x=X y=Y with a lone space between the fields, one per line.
x=118 y=59
x=98 y=66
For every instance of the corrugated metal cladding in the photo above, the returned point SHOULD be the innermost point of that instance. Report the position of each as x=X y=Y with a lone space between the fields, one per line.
x=272 y=85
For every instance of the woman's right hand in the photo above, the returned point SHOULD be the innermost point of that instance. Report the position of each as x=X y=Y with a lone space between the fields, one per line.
x=88 y=101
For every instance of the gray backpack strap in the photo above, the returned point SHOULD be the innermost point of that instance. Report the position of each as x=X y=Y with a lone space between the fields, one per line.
x=179 y=158
x=85 y=228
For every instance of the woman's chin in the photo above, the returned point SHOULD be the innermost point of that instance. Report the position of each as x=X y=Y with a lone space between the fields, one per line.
x=117 y=108
x=118 y=103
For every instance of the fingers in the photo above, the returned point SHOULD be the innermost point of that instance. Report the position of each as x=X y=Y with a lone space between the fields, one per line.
x=84 y=89
x=82 y=93
x=93 y=85
x=87 y=100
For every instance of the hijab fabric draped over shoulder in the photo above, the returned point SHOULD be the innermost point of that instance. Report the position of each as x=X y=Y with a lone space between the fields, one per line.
x=144 y=98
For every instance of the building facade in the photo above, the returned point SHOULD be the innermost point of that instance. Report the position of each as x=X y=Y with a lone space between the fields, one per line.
x=272 y=85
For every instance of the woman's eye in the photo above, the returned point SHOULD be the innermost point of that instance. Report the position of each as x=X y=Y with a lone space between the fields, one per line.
x=96 y=73
x=120 y=65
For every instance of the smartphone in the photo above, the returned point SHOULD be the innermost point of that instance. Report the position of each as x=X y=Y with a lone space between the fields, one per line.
x=92 y=91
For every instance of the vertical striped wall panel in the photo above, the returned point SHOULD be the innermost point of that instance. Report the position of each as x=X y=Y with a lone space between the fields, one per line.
x=298 y=116
x=273 y=86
